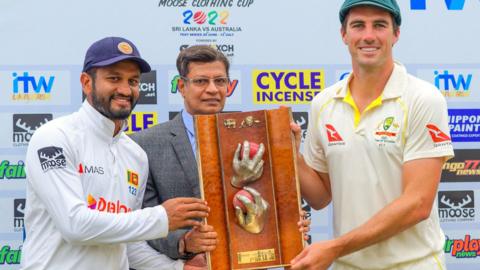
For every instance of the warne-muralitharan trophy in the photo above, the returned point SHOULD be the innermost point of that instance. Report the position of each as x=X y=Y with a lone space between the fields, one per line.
x=246 y=163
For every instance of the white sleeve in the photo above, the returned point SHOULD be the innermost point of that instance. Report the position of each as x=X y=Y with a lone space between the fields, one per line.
x=428 y=134
x=313 y=152
x=52 y=175
x=143 y=257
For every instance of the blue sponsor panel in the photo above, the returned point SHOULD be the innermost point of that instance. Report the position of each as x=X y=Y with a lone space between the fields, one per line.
x=464 y=125
x=35 y=87
x=457 y=85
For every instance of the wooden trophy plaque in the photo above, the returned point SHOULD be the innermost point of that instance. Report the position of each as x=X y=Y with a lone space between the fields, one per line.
x=217 y=139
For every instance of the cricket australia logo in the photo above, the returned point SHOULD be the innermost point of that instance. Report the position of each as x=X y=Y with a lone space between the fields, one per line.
x=387 y=131
x=52 y=158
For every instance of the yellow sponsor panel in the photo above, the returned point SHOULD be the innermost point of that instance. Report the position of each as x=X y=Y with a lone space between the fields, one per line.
x=141 y=120
x=287 y=86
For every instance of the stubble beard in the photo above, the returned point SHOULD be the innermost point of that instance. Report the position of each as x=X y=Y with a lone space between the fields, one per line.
x=103 y=106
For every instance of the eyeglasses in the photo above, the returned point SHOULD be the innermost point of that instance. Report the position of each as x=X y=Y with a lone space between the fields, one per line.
x=203 y=82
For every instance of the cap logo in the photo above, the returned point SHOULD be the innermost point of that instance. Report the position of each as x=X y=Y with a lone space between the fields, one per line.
x=125 y=48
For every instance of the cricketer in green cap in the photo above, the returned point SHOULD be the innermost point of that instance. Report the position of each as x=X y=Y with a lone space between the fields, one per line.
x=389 y=5
x=382 y=188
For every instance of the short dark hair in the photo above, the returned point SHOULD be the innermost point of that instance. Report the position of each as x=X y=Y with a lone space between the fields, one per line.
x=395 y=25
x=92 y=72
x=202 y=54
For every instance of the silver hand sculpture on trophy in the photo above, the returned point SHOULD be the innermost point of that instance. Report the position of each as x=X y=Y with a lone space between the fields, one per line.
x=247 y=168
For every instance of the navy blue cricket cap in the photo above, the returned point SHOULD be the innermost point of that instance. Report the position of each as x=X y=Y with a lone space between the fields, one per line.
x=110 y=50
x=388 y=5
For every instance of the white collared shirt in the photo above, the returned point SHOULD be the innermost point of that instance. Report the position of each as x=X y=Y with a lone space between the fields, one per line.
x=84 y=191
x=364 y=154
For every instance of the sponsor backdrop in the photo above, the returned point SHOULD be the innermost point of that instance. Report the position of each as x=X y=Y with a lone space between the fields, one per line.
x=282 y=53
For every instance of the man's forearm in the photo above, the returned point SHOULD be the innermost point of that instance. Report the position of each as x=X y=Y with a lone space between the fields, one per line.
x=315 y=190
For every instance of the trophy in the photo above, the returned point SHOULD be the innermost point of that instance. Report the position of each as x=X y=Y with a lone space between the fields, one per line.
x=246 y=163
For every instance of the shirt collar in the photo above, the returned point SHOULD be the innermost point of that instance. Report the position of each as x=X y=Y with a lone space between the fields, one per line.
x=394 y=88
x=100 y=124
x=188 y=121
